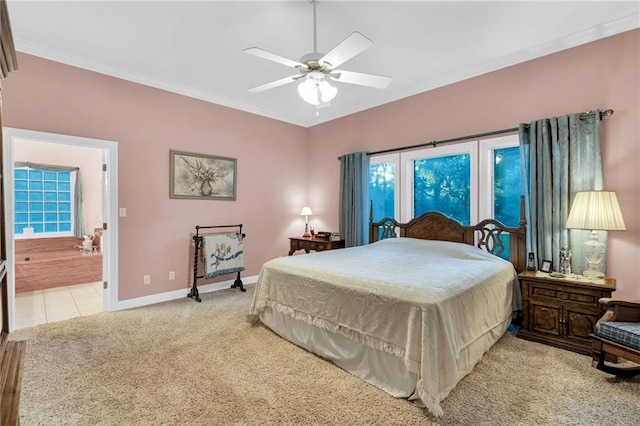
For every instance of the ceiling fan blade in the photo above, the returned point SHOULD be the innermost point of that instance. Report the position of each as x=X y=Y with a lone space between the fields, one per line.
x=274 y=84
x=265 y=54
x=350 y=47
x=369 y=80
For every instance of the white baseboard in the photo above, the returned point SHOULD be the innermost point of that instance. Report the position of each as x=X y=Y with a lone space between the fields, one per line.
x=178 y=294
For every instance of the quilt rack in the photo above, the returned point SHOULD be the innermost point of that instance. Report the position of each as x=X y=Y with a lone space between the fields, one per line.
x=198 y=244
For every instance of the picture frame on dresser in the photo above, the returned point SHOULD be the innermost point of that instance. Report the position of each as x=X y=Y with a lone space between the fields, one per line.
x=545 y=266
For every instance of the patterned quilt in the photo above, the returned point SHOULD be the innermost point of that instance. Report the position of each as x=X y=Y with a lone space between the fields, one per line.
x=222 y=254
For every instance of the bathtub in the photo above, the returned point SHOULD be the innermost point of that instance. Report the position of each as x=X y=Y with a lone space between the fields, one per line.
x=43 y=263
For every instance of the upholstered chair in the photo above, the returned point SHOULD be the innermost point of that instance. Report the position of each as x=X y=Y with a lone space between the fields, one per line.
x=617 y=335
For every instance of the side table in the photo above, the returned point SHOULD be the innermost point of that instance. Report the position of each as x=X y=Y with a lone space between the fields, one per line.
x=563 y=311
x=316 y=244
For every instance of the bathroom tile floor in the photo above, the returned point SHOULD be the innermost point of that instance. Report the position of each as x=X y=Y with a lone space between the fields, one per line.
x=57 y=304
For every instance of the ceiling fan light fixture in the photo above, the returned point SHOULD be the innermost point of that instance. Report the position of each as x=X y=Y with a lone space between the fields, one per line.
x=327 y=91
x=308 y=91
x=317 y=70
x=315 y=89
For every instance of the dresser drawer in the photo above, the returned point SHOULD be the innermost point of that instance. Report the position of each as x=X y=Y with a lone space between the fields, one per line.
x=312 y=245
x=296 y=245
x=543 y=291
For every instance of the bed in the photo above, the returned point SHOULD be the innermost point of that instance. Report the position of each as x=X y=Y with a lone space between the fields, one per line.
x=412 y=312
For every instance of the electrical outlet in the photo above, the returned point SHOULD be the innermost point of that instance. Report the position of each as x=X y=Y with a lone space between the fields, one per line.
x=172 y=275
x=147 y=279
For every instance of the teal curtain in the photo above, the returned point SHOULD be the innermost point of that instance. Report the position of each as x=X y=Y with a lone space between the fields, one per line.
x=78 y=206
x=560 y=156
x=354 y=198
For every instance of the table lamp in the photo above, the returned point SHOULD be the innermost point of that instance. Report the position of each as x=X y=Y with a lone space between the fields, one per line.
x=595 y=210
x=306 y=212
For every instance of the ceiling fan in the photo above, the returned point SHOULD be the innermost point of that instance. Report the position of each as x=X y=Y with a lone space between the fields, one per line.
x=316 y=70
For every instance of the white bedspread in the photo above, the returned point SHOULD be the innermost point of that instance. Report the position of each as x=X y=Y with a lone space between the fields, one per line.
x=423 y=301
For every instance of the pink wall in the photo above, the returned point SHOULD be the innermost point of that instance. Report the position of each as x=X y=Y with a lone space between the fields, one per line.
x=604 y=74
x=147 y=123
x=276 y=176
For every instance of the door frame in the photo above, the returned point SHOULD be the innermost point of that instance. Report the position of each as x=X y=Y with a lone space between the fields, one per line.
x=110 y=208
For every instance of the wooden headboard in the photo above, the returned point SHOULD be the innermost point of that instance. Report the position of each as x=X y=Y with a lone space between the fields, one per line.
x=436 y=226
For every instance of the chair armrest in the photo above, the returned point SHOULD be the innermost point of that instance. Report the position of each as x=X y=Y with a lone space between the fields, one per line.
x=620 y=310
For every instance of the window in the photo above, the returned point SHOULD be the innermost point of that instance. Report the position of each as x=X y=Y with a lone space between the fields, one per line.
x=441 y=179
x=502 y=183
x=43 y=202
x=466 y=181
x=502 y=180
x=383 y=186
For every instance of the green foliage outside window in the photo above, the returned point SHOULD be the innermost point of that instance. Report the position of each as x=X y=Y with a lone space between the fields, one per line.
x=507 y=188
x=507 y=185
x=443 y=184
x=382 y=179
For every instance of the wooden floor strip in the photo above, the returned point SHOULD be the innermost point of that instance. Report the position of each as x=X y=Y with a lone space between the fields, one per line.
x=11 y=366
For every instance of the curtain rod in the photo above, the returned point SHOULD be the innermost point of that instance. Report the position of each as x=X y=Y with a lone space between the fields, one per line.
x=585 y=114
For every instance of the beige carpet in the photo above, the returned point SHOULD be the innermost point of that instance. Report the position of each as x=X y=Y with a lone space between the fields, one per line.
x=188 y=363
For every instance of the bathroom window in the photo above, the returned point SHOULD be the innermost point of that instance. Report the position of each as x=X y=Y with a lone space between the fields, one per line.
x=43 y=202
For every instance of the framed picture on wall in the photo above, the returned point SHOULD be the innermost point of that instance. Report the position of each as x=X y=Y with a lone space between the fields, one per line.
x=201 y=177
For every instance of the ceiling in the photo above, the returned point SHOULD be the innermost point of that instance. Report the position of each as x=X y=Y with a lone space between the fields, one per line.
x=195 y=48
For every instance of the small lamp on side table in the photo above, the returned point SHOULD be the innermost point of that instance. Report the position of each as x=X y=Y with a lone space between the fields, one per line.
x=306 y=212
x=595 y=210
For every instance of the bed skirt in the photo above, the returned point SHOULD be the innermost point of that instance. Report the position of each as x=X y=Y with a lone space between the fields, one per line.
x=382 y=369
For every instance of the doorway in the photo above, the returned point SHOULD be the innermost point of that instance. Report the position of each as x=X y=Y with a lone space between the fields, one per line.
x=28 y=252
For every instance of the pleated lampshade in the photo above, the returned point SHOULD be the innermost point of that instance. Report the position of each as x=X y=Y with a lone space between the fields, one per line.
x=596 y=210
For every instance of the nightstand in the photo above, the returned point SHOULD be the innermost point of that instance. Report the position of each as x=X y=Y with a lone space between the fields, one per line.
x=562 y=311
x=315 y=244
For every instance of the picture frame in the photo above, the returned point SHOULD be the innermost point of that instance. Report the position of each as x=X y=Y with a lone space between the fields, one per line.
x=201 y=176
x=545 y=266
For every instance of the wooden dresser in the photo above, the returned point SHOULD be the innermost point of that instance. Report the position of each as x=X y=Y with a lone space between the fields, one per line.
x=561 y=311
